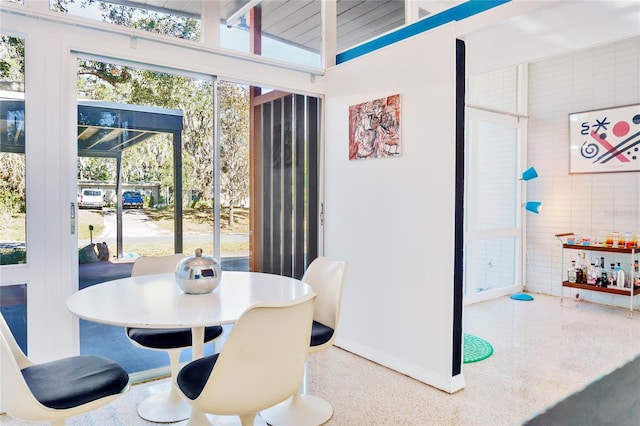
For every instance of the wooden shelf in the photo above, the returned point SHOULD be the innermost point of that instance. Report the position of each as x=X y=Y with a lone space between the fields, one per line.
x=600 y=248
x=591 y=287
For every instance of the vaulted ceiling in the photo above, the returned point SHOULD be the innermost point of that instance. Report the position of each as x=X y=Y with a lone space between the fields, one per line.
x=298 y=21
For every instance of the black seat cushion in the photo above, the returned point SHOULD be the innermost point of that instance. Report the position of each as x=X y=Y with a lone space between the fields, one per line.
x=320 y=334
x=193 y=376
x=73 y=381
x=160 y=338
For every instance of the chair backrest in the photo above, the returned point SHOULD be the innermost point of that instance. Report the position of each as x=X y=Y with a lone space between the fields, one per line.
x=326 y=278
x=262 y=362
x=17 y=399
x=147 y=265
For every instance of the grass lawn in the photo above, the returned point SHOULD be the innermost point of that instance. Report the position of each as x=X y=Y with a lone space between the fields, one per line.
x=89 y=217
x=200 y=220
x=12 y=227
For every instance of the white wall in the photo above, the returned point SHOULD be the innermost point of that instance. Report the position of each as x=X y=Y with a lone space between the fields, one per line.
x=600 y=77
x=392 y=219
x=523 y=31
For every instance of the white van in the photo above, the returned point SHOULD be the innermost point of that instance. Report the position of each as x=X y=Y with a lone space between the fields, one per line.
x=90 y=198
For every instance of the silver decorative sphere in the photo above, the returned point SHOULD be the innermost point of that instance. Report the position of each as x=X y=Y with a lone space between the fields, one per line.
x=198 y=274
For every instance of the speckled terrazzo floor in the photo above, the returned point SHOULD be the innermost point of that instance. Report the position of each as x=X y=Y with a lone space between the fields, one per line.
x=543 y=352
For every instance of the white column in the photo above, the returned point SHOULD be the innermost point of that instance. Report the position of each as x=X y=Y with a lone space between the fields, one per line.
x=210 y=21
x=411 y=11
x=329 y=16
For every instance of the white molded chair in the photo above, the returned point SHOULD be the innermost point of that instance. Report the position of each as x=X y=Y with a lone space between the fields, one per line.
x=147 y=265
x=326 y=278
x=165 y=407
x=53 y=391
x=256 y=368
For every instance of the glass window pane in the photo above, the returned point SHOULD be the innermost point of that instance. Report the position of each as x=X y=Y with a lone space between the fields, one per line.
x=13 y=235
x=183 y=22
x=290 y=30
x=494 y=265
x=497 y=179
x=234 y=175
x=13 y=307
x=147 y=117
x=140 y=124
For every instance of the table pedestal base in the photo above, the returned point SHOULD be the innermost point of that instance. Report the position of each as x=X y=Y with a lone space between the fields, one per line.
x=165 y=407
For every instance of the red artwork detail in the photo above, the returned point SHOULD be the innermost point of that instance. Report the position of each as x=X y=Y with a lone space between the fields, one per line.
x=609 y=147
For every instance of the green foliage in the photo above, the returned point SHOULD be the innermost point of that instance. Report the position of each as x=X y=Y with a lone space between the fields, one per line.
x=11 y=58
x=152 y=160
x=113 y=74
x=12 y=166
x=155 y=22
x=10 y=201
x=92 y=168
x=139 y=18
x=12 y=256
x=234 y=145
x=12 y=181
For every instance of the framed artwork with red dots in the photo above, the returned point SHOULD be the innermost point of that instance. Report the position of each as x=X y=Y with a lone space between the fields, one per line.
x=605 y=140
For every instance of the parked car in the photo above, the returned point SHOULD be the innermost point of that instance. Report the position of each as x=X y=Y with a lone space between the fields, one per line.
x=131 y=200
x=90 y=198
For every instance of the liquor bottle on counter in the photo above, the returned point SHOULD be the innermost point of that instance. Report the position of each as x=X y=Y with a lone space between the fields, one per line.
x=578 y=268
x=592 y=275
x=636 y=274
x=585 y=269
x=572 y=275
x=598 y=271
x=621 y=276
x=612 y=275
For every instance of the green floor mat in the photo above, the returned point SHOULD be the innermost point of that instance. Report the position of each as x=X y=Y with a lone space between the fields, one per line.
x=476 y=349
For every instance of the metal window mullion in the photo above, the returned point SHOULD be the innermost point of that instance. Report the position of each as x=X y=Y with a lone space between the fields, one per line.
x=311 y=172
x=288 y=223
x=216 y=172
x=267 y=145
x=300 y=185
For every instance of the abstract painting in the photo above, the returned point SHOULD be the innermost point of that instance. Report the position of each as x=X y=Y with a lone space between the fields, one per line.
x=605 y=140
x=374 y=129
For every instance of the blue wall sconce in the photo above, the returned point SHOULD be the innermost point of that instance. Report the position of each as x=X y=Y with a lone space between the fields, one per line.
x=529 y=174
x=533 y=206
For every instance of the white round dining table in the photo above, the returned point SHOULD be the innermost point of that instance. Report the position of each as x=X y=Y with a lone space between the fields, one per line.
x=156 y=301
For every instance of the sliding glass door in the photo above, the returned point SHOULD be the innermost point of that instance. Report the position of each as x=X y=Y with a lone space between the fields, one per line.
x=145 y=146
x=186 y=147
